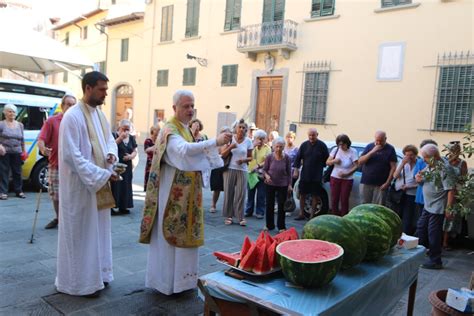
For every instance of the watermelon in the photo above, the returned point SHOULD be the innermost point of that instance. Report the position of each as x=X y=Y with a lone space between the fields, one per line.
x=247 y=262
x=231 y=258
x=310 y=262
x=262 y=264
x=377 y=233
x=272 y=258
x=389 y=216
x=290 y=234
x=340 y=231
x=245 y=246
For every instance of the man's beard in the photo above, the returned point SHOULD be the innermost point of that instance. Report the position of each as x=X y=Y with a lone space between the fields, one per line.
x=95 y=102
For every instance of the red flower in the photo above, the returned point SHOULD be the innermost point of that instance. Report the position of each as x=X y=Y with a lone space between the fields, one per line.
x=177 y=193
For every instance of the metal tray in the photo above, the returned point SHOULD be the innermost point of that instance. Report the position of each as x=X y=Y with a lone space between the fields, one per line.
x=248 y=272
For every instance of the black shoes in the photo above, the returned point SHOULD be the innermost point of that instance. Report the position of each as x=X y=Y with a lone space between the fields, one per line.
x=119 y=212
x=52 y=224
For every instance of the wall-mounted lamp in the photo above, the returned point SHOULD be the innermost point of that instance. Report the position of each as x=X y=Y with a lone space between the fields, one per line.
x=201 y=61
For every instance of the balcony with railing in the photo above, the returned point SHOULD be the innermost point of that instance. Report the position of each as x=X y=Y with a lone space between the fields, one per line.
x=269 y=36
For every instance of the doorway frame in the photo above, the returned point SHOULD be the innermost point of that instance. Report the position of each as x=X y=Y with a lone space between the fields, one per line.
x=262 y=73
x=114 y=101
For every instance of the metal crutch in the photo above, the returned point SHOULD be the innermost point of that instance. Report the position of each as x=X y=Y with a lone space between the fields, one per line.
x=38 y=199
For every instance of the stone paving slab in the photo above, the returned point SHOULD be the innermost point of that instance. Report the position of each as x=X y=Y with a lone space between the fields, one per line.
x=27 y=270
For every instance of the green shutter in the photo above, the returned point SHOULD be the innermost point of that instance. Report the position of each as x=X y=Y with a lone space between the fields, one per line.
x=166 y=23
x=189 y=76
x=124 y=50
x=192 y=18
x=232 y=14
x=229 y=75
x=322 y=8
x=273 y=10
x=162 y=78
x=392 y=3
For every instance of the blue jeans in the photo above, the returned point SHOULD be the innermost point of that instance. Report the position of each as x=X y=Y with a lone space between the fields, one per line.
x=430 y=232
x=260 y=209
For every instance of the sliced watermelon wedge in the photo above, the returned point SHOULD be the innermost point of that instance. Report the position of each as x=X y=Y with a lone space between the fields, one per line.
x=261 y=264
x=272 y=259
x=248 y=261
x=245 y=246
x=290 y=234
x=231 y=258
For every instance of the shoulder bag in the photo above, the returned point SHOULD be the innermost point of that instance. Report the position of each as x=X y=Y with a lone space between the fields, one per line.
x=328 y=171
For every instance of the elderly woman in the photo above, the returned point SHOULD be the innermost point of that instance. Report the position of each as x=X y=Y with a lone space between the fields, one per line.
x=127 y=150
x=217 y=180
x=277 y=173
x=235 y=177
x=405 y=180
x=149 y=147
x=12 y=145
x=259 y=153
x=344 y=159
x=452 y=225
x=196 y=128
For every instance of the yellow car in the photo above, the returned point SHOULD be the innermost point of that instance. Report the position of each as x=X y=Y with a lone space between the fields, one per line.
x=35 y=103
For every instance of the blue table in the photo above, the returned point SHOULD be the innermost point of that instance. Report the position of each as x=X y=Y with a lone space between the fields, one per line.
x=367 y=289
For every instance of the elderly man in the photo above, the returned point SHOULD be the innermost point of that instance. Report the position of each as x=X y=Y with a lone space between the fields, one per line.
x=379 y=162
x=87 y=151
x=173 y=219
x=48 y=145
x=312 y=155
x=438 y=198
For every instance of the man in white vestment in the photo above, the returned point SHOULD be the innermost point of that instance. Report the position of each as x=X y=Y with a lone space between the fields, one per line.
x=87 y=151
x=173 y=218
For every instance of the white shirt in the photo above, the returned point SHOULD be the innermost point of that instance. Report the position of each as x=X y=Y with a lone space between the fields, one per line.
x=348 y=158
x=240 y=152
x=409 y=179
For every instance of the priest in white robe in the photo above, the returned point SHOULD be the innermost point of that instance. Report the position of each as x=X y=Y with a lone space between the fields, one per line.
x=173 y=218
x=87 y=151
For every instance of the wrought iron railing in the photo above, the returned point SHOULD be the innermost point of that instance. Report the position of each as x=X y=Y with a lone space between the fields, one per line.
x=268 y=33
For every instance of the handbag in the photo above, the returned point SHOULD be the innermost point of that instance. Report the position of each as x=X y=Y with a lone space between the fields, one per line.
x=328 y=171
x=226 y=161
x=290 y=204
x=394 y=195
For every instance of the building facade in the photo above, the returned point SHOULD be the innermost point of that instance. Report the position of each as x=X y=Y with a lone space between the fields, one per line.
x=351 y=67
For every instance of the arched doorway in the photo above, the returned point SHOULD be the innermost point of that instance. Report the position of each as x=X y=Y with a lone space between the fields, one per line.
x=123 y=101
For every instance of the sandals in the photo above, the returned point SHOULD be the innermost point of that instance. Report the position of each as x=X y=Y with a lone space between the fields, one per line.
x=3 y=196
x=243 y=222
x=228 y=221
x=212 y=210
x=21 y=195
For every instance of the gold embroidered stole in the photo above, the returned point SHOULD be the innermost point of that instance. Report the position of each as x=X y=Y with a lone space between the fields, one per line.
x=183 y=220
x=105 y=198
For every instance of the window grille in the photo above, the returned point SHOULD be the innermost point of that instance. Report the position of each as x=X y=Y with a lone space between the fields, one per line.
x=315 y=92
x=454 y=93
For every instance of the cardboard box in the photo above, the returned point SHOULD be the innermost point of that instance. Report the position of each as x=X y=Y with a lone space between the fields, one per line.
x=407 y=242
x=461 y=300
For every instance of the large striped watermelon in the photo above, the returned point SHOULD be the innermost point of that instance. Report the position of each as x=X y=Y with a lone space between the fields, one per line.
x=389 y=216
x=309 y=262
x=340 y=231
x=377 y=233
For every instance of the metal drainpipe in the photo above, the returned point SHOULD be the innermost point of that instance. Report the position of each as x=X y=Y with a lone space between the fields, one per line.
x=151 y=64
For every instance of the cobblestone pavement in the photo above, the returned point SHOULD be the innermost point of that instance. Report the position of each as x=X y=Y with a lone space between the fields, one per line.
x=27 y=270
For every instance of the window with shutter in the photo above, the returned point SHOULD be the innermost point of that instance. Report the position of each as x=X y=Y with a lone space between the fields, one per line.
x=162 y=78
x=84 y=32
x=66 y=39
x=65 y=76
x=189 y=76
x=393 y=3
x=229 y=75
x=232 y=14
x=192 y=18
x=322 y=8
x=315 y=96
x=167 y=23
x=273 y=10
x=455 y=100
x=124 y=50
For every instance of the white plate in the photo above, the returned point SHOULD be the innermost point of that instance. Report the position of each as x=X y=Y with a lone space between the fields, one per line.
x=248 y=272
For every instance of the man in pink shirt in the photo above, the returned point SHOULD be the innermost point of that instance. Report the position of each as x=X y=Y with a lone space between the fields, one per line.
x=48 y=145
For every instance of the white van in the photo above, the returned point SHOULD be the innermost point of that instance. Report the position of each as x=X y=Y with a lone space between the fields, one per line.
x=35 y=103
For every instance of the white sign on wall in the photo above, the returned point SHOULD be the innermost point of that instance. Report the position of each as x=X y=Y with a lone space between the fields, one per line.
x=391 y=60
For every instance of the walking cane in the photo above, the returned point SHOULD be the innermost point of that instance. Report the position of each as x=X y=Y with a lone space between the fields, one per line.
x=38 y=199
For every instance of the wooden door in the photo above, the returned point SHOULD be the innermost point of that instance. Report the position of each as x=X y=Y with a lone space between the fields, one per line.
x=268 y=103
x=123 y=101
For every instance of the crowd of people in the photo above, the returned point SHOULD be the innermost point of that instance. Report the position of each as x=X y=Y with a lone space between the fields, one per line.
x=91 y=176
